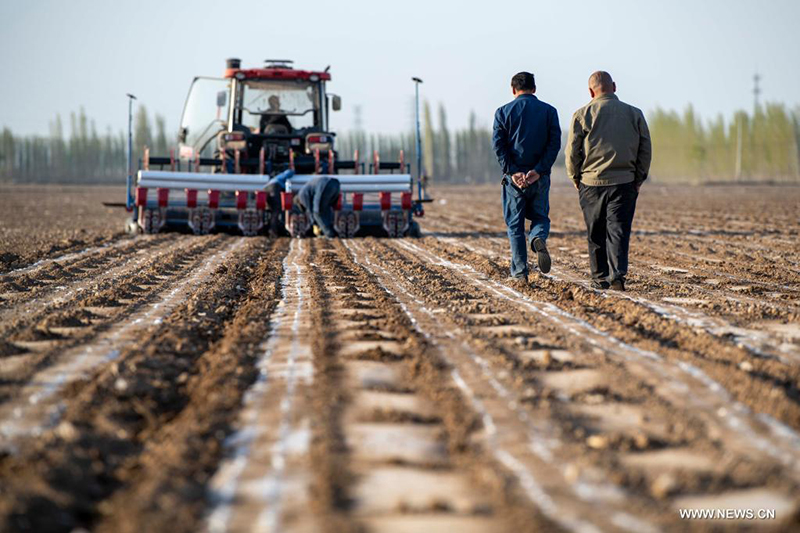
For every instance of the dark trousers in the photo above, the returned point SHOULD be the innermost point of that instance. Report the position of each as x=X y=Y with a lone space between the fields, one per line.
x=608 y=213
x=531 y=203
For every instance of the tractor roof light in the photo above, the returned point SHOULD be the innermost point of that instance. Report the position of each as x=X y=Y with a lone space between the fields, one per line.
x=239 y=76
x=314 y=78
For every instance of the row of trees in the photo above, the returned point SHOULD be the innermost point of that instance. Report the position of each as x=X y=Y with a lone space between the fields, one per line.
x=762 y=146
x=83 y=156
x=463 y=156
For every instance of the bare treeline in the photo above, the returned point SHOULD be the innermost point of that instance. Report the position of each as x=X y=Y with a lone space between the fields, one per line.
x=80 y=156
x=461 y=156
x=762 y=146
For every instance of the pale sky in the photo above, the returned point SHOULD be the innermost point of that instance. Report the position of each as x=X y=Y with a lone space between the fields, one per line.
x=56 y=56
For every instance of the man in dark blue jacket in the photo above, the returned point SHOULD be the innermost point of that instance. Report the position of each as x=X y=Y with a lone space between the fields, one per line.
x=317 y=198
x=526 y=140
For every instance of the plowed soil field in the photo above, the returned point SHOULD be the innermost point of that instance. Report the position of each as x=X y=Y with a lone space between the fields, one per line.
x=220 y=383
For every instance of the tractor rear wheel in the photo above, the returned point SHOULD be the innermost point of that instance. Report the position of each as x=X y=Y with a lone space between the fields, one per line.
x=414 y=230
x=394 y=223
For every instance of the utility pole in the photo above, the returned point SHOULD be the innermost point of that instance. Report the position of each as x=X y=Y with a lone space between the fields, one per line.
x=740 y=126
x=756 y=91
x=754 y=149
x=129 y=199
x=738 y=146
x=417 y=81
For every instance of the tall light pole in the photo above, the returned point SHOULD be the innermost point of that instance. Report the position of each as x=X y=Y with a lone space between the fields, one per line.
x=417 y=81
x=740 y=126
x=129 y=199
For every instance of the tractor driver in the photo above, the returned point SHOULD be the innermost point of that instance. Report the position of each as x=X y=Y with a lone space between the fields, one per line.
x=317 y=198
x=274 y=121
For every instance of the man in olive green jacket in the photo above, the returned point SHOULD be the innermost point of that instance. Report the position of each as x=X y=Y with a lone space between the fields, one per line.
x=608 y=157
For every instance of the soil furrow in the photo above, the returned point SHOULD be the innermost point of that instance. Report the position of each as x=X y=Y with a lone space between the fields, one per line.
x=71 y=259
x=192 y=383
x=43 y=334
x=37 y=406
x=61 y=480
x=166 y=487
x=760 y=343
x=767 y=385
x=405 y=423
x=62 y=221
x=522 y=443
x=692 y=426
x=768 y=434
x=18 y=315
x=684 y=273
x=262 y=486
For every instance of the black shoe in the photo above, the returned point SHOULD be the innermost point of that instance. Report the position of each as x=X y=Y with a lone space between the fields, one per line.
x=542 y=256
x=618 y=284
x=600 y=285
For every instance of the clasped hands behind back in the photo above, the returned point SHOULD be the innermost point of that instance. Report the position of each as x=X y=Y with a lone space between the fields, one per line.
x=522 y=179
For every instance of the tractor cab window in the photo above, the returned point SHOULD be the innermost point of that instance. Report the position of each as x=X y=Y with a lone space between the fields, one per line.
x=279 y=107
x=205 y=113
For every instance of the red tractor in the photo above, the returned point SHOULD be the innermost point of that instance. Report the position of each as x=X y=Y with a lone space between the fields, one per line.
x=241 y=133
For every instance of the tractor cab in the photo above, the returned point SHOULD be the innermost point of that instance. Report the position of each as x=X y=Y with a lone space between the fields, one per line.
x=274 y=118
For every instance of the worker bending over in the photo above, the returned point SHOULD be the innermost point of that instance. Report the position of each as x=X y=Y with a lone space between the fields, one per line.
x=318 y=197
